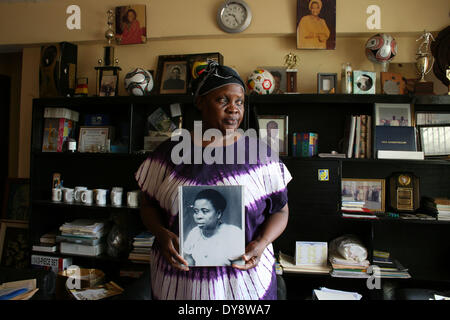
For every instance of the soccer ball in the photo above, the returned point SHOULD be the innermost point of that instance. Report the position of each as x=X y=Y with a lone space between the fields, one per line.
x=261 y=81
x=138 y=82
x=381 y=48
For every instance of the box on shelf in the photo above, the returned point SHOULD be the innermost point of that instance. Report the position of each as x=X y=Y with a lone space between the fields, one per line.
x=56 y=264
x=59 y=126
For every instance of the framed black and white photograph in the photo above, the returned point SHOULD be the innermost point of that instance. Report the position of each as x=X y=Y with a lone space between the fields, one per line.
x=273 y=130
x=280 y=77
x=393 y=114
x=212 y=225
x=172 y=76
x=435 y=140
x=364 y=82
x=371 y=192
x=14 y=245
x=16 y=202
x=326 y=82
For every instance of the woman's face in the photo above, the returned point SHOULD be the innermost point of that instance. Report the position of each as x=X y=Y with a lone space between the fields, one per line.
x=223 y=108
x=131 y=16
x=205 y=215
x=315 y=10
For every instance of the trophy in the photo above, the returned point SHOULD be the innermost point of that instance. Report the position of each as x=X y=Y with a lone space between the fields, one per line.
x=290 y=61
x=108 y=69
x=404 y=192
x=424 y=64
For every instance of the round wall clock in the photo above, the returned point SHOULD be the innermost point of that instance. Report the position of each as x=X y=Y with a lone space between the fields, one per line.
x=234 y=16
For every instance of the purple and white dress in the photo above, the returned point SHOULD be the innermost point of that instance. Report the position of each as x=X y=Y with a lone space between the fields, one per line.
x=265 y=193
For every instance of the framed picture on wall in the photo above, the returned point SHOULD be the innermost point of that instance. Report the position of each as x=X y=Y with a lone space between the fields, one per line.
x=273 y=130
x=316 y=24
x=131 y=24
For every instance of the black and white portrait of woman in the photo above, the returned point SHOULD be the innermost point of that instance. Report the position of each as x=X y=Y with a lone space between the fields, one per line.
x=212 y=225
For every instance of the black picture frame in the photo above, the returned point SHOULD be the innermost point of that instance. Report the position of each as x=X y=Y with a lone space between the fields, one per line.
x=14 y=245
x=176 y=65
x=200 y=57
x=282 y=125
x=326 y=83
x=16 y=201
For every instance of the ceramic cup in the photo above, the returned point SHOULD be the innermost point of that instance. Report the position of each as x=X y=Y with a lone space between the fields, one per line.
x=100 y=196
x=77 y=193
x=68 y=195
x=87 y=197
x=116 y=196
x=56 y=194
x=133 y=198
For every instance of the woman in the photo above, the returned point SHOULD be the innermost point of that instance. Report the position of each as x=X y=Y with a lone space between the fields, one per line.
x=132 y=32
x=220 y=97
x=312 y=30
x=210 y=242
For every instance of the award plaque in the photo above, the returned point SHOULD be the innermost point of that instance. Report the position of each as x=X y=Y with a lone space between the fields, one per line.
x=404 y=192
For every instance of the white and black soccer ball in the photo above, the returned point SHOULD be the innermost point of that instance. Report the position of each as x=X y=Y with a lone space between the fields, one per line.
x=138 y=82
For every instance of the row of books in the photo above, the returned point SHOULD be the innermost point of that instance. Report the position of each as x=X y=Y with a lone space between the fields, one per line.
x=387 y=267
x=356 y=209
x=142 y=245
x=357 y=135
x=305 y=144
x=59 y=125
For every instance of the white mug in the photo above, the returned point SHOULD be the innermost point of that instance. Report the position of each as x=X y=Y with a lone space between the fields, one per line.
x=77 y=193
x=100 y=196
x=68 y=195
x=116 y=196
x=56 y=194
x=86 y=197
x=133 y=198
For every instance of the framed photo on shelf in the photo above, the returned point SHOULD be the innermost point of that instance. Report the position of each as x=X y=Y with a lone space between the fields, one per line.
x=16 y=204
x=434 y=140
x=14 y=245
x=370 y=191
x=212 y=225
x=280 y=76
x=131 y=24
x=326 y=82
x=393 y=114
x=364 y=82
x=173 y=74
x=273 y=130
x=196 y=60
x=94 y=139
x=392 y=83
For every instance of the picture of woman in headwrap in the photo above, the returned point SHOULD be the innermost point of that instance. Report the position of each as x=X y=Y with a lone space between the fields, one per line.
x=312 y=30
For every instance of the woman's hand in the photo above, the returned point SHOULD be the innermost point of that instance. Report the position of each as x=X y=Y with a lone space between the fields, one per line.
x=252 y=255
x=169 y=245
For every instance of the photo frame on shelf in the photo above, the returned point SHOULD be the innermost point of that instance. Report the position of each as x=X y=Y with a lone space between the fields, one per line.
x=16 y=203
x=267 y=124
x=393 y=114
x=172 y=76
x=94 y=139
x=326 y=82
x=196 y=60
x=364 y=82
x=434 y=140
x=108 y=86
x=371 y=191
x=14 y=245
x=279 y=74
x=131 y=25
x=392 y=83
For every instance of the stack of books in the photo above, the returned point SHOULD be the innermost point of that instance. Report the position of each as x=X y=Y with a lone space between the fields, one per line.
x=142 y=246
x=388 y=267
x=356 y=209
x=443 y=208
x=83 y=237
x=47 y=243
x=346 y=268
x=358 y=136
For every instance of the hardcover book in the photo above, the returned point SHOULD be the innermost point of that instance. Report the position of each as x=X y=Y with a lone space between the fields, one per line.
x=395 y=138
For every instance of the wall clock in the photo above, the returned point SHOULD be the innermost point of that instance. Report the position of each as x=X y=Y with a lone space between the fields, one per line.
x=234 y=16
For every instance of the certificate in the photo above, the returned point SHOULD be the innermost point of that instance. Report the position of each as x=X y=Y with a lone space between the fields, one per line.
x=93 y=139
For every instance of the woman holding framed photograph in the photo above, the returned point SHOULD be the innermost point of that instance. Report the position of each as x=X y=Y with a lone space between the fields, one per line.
x=220 y=97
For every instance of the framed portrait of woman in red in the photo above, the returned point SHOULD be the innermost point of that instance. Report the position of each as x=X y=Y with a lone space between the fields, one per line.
x=316 y=24
x=131 y=24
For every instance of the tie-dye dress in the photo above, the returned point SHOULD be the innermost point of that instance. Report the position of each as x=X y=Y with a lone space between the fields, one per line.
x=265 y=193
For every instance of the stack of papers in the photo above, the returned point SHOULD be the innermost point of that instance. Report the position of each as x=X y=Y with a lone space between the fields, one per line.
x=88 y=227
x=18 y=290
x=388 y=267
x=345 y=268
x=288 y=265
x=330 y=294
x=142 y=246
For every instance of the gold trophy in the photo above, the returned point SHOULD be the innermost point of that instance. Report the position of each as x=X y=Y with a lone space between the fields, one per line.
x=424 y=64
x=290 y=61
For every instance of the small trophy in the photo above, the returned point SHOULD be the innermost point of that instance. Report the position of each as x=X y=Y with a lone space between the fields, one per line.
x=424 y=64
x=290 y=61
x=108 y=69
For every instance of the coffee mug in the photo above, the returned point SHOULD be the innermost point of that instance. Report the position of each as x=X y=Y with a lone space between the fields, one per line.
x=77 y=193
x=56 y=194
x=116 y=196
x=133 y=198
x=86 y=197
x=100 y=196
x=68 y=195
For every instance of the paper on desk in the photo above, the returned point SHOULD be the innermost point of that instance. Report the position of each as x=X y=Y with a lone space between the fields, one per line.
x=330 y=294
x=288 y=264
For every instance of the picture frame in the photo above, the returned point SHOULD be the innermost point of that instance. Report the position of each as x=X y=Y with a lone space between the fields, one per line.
x=313 y=35
x=326 y=83
x=266 y=123
x=279 y=74
x=364 y=82
x=16 y=202
x=434 y=140
x=94 y=139
x=392 y=83
x=200 y=57
x=131 y=24
x=393 y=114
x=108 y=85
x=371 y=191
x=14 y=245
x=222 y=210
x=172 y=76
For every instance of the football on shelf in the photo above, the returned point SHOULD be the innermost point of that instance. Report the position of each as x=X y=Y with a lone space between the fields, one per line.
x=381 y=48
x=261 y=81
x=138 y=82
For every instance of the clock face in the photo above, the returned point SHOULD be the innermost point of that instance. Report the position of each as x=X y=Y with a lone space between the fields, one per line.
x=235 y=16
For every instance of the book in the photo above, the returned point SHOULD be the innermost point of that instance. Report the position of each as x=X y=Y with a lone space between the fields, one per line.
x=56 y=264
x=357 y=136
x=61 y=113
x=56 y=132
x=363 y=138
x=351 y=138
x=45 y=247
x=397 y=154
x=288 y=265
x=395 y=138
x=81 y=249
